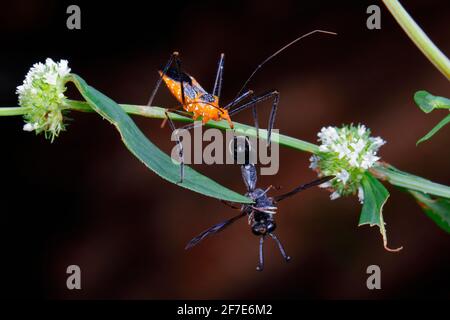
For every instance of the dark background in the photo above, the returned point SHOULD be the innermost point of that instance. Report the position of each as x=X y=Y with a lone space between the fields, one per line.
x=86 y=200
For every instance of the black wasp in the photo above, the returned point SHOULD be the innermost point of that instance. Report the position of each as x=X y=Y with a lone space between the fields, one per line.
x=261 y=213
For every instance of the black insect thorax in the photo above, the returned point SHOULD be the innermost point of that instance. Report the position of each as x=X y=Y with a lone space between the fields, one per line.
x=261 y=213
x=173 y=74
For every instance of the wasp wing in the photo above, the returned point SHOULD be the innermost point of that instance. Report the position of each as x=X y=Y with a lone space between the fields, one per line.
x=303 y=187
x=214 y=229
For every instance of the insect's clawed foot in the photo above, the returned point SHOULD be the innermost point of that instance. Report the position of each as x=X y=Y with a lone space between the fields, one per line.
x=259 y=267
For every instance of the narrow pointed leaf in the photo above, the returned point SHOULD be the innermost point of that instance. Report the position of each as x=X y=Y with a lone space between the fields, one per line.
x=433 y=131
x=147 y=152
x=375 y=196
x=437 y=209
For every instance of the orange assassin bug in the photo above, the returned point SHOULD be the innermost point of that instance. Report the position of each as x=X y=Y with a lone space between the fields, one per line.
x=196 y=102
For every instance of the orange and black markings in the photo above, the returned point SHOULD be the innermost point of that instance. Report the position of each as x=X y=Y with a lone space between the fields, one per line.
x=196 y=99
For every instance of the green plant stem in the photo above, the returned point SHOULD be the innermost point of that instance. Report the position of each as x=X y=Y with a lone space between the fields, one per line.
x=382 y=171
x=421 y=40
x=14 y=111
x=405 y=180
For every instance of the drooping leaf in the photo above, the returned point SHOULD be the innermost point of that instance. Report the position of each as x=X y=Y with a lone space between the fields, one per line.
x=438 y=209
x=147 y=152
x=428 y=102
x=432 y=132
x=375 y=196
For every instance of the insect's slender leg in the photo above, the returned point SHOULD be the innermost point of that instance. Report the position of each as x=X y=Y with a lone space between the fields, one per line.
x=260 y=266
x=273 y=113
x=219 y=77
x=177 y=111
x=275 y=95
x=239 y=99
x=173 y=57
x=270 y=210
x=180 y=147
x=280 y=246
x=178 y=68
x=255 y=119
x=158 y=83
x=192 y=125
x=250 y=217
x=231 y=205
x=302 y=187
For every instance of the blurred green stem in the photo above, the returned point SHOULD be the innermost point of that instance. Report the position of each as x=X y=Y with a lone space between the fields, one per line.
x=14 y=111
x=386 y=172
x=416 y=34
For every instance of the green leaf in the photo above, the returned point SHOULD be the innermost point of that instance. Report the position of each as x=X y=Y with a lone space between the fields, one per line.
x=428 y=102
x=437 y=209
x=375 y=196
x=438 y=127
x=147 y=152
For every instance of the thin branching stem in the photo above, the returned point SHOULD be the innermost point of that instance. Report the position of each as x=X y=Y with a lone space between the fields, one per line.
x=419 y=37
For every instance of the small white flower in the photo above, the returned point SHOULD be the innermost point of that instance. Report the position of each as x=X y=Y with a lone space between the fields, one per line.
x=325 y=185
x=343 y=176
x=38 y=67
x=361 y=129
x=313 y=164
x=353 y=160
x=341 y=149
x=323 y=148
x=28 y=127
x=361 y=194
x=49 y=62
x=51 y=78
x=368 y=160
x=358 y=146
x=63 y=68
x=328 y=134
x=377 y=141
x=335 y=195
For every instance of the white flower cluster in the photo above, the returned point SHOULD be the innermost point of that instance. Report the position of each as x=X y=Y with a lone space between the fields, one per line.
x=358 y=149
x=346 y=153
x=42 y=92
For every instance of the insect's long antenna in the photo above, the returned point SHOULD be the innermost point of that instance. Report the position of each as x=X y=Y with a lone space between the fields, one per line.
x=302 y=187
x=277 y=53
